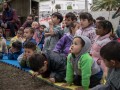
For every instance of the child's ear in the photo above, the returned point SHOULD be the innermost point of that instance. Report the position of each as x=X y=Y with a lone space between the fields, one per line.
x=113 y=62
x=45 y=62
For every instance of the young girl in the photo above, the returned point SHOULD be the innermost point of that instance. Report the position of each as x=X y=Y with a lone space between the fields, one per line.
x=3 y=46
x=64 y=43
x=18 y=37
x=82 y=70
x=111 y=56
x=103 y=30
x=87 y=27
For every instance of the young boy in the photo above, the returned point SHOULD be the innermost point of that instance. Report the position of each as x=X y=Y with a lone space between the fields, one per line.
x=28 y=34
x=82 y=70
x=50 y=65
x=15 y=50
x=54 y=31
x=3 y=46
x=111 y=56
x=29 y=49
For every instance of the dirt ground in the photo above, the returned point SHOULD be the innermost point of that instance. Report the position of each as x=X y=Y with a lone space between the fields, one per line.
x=15 y=79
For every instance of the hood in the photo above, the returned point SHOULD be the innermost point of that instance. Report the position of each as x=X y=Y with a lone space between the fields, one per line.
x=87 y=46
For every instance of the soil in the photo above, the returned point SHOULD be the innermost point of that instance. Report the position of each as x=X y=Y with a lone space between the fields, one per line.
x=12 y=78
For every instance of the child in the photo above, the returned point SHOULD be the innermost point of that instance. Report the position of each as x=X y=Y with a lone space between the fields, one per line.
x=15 y=50
x=65 y=42
x=54 y=31
x=111 y=56
x=3 y=46
x=103 y=30
x=86 y=27
x=41 y=36
x=63 y=25
x=69 y=18
x=82 y=70
x=28 y=34
x=35 y=25
x=29 y=49
x=18 y=37
x=50 y=65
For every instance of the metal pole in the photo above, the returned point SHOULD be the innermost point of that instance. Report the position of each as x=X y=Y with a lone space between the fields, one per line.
x=86 y=5
x=30 y=6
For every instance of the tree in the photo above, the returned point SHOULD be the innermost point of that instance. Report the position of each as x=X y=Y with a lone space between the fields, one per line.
x=57 y=6
x=107 y=5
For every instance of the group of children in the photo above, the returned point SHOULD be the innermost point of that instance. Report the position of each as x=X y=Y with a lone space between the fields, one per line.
x=80 y=53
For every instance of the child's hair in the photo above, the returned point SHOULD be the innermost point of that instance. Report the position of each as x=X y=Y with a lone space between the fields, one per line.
x=72 y=25
x=36 y=61
x=111 y=51
x=17 y=45
x=71 y=15
x=86 y=15
x=31 y=30
x=100 y=18
x=30 y=45
x=43 y=26
x=58 y=15
x=107 y=25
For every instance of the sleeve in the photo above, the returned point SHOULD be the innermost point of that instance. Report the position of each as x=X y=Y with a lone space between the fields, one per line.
x=60 y=44
x=69 y=71
x=24 y=24
x=5 y=50
x=57 y=65
x=101 y=87
x=85 y=64
x=92 y=36
x=57 y=30
x=10 y=56
x=21 y=61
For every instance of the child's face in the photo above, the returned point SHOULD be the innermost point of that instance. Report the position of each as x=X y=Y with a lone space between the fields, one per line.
x=63 y=24
x=55 y=19
x=1 y=32
x=84 y=23
x=27 y=34
x=99 y=30
x=76 y=46
x=28 y=52
x=41 y=28
x=19 y=34
x=68 y=21
x=35 y=25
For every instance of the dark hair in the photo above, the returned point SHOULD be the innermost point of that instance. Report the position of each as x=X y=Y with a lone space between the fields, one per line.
x=72 y=25
x=107 y=25
x=36 y=61
x=111 y=51
x=31 y=30
x=58 y=15
x=100 y=18
x=17 y=45
x=71 y=15
x=43 y=26
x=86 y=15
x=30 y=45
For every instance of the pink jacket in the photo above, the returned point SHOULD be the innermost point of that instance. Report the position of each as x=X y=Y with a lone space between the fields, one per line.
x=97 y=45
x=89 y=32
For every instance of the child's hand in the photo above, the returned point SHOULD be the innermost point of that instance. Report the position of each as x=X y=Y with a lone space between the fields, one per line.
x=35 y=74
x=52 y=80
x=50 y=23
